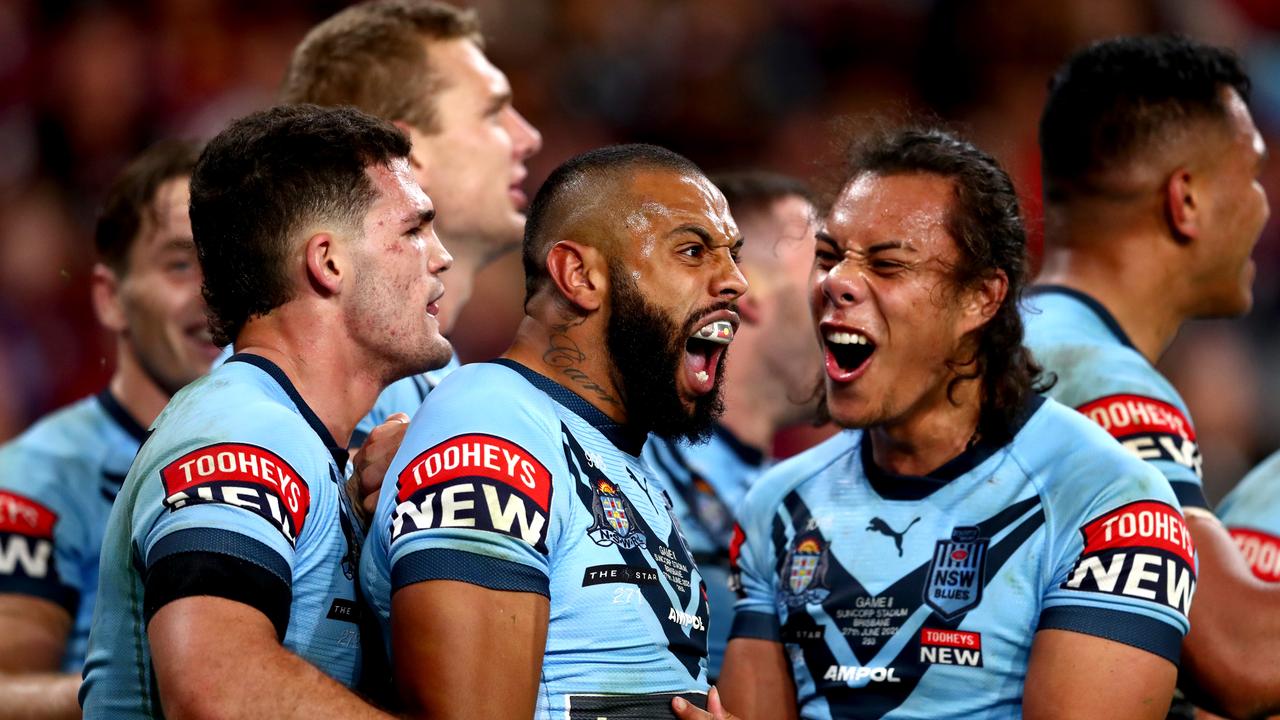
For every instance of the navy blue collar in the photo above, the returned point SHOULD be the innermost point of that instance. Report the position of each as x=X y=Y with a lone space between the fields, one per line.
x=1088 y=301
x=339 y=453
x=121 y=416
x=624 y=438
x=893 y=486
x=749 y=455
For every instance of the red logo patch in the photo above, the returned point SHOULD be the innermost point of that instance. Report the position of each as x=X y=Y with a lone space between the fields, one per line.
x=1146 y=524
x=1261 y=550
x=25 y=516
x=1126 y=415
x=478 y=456
x=951 y=638
x=241 y=475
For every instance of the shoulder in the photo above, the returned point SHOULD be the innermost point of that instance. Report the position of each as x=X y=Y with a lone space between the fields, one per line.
x=491 y=392
x=63 y=446
x=775 y=483
x=1255 y=501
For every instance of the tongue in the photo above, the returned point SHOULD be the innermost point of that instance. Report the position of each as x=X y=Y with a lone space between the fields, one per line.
x=695 y=361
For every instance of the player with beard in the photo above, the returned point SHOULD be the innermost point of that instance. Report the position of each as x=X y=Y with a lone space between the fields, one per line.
x=58 y=480
x=1152 y=208
x=232 y=544
x=966 y=548
x=421 y=65
x=522 y=560
x=768 y=387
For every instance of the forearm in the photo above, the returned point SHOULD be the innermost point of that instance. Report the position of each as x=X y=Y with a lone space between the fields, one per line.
x=39 y=696
x=756 y=681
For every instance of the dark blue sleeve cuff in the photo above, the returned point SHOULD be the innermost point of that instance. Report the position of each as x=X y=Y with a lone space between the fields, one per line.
x=1140 y=631
x=45 y=589
x=1190 y=494
x=222 y=542
x=755 y=625
x=489 y=572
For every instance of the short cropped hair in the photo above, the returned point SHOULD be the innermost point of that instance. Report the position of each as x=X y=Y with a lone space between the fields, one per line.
x=373 y=56
x=985 y=222
x=265 y=178
x=563 y=187
x=1116 y=99
x=130 y=201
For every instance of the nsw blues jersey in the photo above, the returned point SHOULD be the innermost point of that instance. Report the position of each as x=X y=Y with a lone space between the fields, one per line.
x=507 y=480
x=57 y=483
x=1251 y=513
x=919 y=597
x=1102 y=375
x=238 y=493
x=706 y=483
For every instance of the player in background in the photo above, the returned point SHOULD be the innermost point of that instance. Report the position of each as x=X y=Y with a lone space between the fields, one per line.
x=1251 y=513
x=1152 y=208
x=768 y=386
x=967 y=548
x=59 y=478
x=523 y=560
x=230 y=556
x=421 y=65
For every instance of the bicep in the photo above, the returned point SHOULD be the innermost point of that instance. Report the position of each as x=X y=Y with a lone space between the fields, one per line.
x=755 y=681
x=33 y=633
x=462 y=650
x=1073 y=675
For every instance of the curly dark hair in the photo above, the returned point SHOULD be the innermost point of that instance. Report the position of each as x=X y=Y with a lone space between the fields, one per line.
x=986 y=224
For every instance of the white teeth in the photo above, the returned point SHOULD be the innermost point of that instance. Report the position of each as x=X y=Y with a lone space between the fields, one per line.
x=846 y=338
x=702 y=375
x=719 y=331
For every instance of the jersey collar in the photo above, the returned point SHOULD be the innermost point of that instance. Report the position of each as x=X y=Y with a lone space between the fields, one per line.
x=624 y=438
x=1090 y=302
x=116 y=412
x=339 y=453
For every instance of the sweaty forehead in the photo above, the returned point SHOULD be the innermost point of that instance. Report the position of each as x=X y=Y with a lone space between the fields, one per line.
x=665 y=199
x=890 y=208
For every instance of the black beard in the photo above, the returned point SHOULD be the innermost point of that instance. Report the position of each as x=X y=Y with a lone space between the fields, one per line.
x=647 y=350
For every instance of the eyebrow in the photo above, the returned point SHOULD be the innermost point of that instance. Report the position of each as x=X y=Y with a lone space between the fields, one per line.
x=423 y=217
x=178 y=243
x=499 y=101
x=878 y=247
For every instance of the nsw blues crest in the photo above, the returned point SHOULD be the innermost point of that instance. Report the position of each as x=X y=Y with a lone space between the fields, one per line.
x=613 y=516
x=957 y=573
x=804 y=573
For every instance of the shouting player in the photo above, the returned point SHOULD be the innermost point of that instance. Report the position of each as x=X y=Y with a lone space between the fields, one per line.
x=967 y=548
x=231 y=552
x=421 y=65
x=1152 y=207
x=523 y=561
x=768 y=386
x=58 y=480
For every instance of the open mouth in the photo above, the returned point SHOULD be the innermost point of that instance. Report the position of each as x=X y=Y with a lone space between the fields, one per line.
x=702 y=353
x=848 y=353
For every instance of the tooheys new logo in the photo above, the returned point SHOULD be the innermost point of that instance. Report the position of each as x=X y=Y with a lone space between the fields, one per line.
x=1261 y=550
x=479 y=482
x=1149 y=428
x=1141 y=550
x=243 y=476
x=26 y=537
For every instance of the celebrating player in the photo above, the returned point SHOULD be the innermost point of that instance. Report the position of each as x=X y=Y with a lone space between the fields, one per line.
x=967 y=548
x=522 y=560
x=420 y=64
x=58 y=480
x=231 y=547
x=768 y=386
x=1152 y=207
x=1251 y=514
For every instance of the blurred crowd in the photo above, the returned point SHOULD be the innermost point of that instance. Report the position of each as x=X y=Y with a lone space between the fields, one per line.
x=730 y=83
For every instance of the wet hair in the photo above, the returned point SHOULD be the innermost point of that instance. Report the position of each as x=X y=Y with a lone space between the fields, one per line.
x=263 y=179
x=564 y=187
x=984 y=220
x=1118 y=99
x=130 y=201
x=373 y=56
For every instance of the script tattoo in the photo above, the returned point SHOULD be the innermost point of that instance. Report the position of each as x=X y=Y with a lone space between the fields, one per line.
x=564 y=355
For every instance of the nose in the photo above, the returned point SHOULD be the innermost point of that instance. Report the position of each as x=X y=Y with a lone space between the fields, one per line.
x=840 y=286
x=730 y=284
x=527 y=141
x=439 y=259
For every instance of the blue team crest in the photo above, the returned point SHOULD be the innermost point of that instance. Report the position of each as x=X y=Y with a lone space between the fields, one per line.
x=612 y=514
x=805 y=571
x=957 y=573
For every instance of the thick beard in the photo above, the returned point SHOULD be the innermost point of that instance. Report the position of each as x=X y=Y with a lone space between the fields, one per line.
x=647 y=351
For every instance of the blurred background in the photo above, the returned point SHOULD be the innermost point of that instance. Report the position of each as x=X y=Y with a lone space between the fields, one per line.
x=730 y=83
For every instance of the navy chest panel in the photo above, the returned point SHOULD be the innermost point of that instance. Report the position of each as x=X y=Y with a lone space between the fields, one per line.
x=818 y=593
x=644 y=557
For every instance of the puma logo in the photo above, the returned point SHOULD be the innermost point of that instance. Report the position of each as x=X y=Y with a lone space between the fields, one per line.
x=883 y=528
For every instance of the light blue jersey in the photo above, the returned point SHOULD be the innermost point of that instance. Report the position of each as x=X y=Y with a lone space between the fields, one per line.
x=57 y=483
x=1101 y=374
x=920 y=597
x=1251 y=513
x=509 y=481
x=706 y=483
x=238 y=493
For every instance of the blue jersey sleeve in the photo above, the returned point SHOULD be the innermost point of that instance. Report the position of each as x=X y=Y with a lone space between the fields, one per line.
x=1251 y=513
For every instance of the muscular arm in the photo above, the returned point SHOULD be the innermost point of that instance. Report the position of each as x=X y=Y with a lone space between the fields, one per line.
x=1231 y=657
x=755 y=681
x=1072 y=676
x=464 y=651
x=33 y=637
x=217 y=658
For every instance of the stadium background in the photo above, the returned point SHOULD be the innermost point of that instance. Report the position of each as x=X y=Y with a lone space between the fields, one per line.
x=731 y=83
